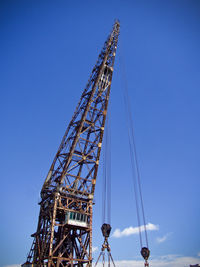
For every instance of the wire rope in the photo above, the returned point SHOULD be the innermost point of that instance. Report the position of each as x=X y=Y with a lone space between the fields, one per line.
x=136 y=177
x=106 y=187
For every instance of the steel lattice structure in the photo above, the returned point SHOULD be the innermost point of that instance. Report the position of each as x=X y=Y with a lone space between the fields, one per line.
x=64 y=232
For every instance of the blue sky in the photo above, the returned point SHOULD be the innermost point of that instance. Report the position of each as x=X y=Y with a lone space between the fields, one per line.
x=47 y=51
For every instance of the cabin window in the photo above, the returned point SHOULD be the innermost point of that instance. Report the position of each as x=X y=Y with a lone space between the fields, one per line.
x=76 y=216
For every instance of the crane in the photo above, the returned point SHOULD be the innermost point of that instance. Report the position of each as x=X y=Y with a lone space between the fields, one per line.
x=64 y=231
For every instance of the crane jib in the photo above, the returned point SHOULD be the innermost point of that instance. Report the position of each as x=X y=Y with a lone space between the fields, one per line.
x=64 y=231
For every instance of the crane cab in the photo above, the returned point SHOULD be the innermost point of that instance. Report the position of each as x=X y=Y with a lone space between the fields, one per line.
x=76 y=219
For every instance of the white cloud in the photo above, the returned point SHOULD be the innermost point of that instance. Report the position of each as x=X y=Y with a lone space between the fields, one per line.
x=134 y=230
x=163 y=239
x=94 y=249
x=165 y=261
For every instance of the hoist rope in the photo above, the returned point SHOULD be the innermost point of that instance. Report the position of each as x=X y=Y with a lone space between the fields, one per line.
x=134 y=159
x=106 y=188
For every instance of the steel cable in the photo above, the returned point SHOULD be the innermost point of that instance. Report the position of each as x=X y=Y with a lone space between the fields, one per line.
x=106 y=188
x=136 y=178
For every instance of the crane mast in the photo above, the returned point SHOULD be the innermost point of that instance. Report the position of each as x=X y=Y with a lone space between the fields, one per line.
x=64 y=231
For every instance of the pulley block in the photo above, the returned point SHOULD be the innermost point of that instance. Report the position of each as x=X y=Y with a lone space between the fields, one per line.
x=106 y=229
x=145 y=252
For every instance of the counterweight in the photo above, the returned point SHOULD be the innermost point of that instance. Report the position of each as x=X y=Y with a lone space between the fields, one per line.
x=64 y=232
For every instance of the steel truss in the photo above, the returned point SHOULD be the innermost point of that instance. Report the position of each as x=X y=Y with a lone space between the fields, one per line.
x=70 y=183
